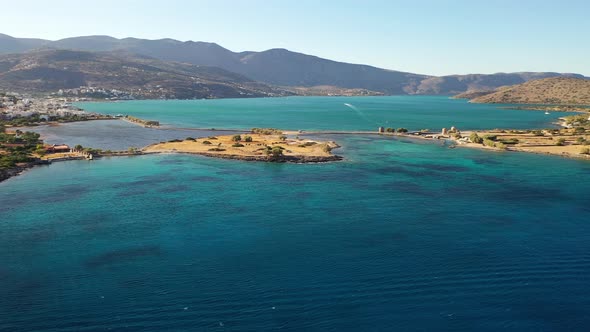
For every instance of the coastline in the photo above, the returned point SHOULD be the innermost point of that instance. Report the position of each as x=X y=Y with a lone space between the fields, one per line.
x=8 y=173
x=570 y=149
x=284 y=159
x=269 y=146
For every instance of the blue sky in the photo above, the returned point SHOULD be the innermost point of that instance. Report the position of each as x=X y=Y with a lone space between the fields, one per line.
x=428 y=37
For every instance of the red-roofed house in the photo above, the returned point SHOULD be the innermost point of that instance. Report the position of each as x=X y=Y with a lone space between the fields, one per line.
x=57 y=148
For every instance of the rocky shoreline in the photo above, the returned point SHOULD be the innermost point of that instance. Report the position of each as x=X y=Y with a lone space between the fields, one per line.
x=282 y=159
x=8 y=173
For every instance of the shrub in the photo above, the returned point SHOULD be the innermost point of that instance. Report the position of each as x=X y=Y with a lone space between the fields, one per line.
x=283 y=137
x=510 y=141
x=306 y=144
x=390 y=130
x=175 y=140
x=266 y=131
x=216 y=149
x=500 y=145
x=538 y=133
x=581 y=140
x=579 y=130
x=488 y=142
x=206 y=142
x=274 y=152
x=238 y=145
x=248 y=139
x=402 y=130
x=236 y=138
x=491 y=137
x=190 y=139
x=474 y=137
x=585 y=151
x=560 y=142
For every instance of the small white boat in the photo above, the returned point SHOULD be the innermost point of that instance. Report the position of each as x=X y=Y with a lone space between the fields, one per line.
x=546 y=112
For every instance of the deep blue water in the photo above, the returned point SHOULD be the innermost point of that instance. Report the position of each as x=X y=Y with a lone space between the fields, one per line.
x=401 y=235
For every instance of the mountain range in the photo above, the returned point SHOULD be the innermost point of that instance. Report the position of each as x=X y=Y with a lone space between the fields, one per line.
x=296 y=72
x=51 y=70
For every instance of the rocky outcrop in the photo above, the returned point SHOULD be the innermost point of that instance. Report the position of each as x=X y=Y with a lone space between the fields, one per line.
x=281 y=159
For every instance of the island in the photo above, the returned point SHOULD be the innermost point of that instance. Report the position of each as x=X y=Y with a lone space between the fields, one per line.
x=269 y=145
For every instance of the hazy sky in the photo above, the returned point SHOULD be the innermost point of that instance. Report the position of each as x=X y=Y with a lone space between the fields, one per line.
x=428 y=37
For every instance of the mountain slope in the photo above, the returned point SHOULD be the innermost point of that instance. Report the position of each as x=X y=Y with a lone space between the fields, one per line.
x=455 y=84
x=10 y=44
x=283 y=67
x=555 y=90
x=276 y=66
x=51 y=70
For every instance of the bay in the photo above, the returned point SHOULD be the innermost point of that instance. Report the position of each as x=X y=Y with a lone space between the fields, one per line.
x=401 y=235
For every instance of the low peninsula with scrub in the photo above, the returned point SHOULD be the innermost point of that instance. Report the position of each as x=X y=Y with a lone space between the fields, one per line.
x=269 y=145
x=572 y=140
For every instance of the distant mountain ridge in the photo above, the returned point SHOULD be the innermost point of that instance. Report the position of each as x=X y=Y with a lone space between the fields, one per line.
x=53 y=70
x=281 y=67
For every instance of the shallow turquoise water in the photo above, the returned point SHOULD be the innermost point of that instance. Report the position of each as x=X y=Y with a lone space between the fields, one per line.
x=404 y=235
x=401 y=233
x=114 y=134
x=329 y=113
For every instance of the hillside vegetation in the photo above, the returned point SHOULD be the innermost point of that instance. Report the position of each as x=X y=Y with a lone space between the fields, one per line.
x=52 y=70
x=280 y=67
x=555 y=91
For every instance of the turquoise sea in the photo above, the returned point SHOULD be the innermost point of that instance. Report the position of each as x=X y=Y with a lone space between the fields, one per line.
x=402 y=235
x=328 y=113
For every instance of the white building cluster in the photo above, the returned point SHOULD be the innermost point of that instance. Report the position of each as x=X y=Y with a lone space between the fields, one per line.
x=95 y=92
x=16 y=106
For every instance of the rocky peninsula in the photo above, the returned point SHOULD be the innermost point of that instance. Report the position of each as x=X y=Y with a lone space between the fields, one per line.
x=268 y=145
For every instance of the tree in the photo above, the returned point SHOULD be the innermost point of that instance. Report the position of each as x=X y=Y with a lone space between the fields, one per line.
x=560 y=142
x=78 y=147
x=275 y=152
x=474 y=137
x=402 y=130
x=248 y=139
x=236 y=138
x=489 y=142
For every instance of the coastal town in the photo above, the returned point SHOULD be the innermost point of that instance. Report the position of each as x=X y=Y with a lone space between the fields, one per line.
x=41 y=109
